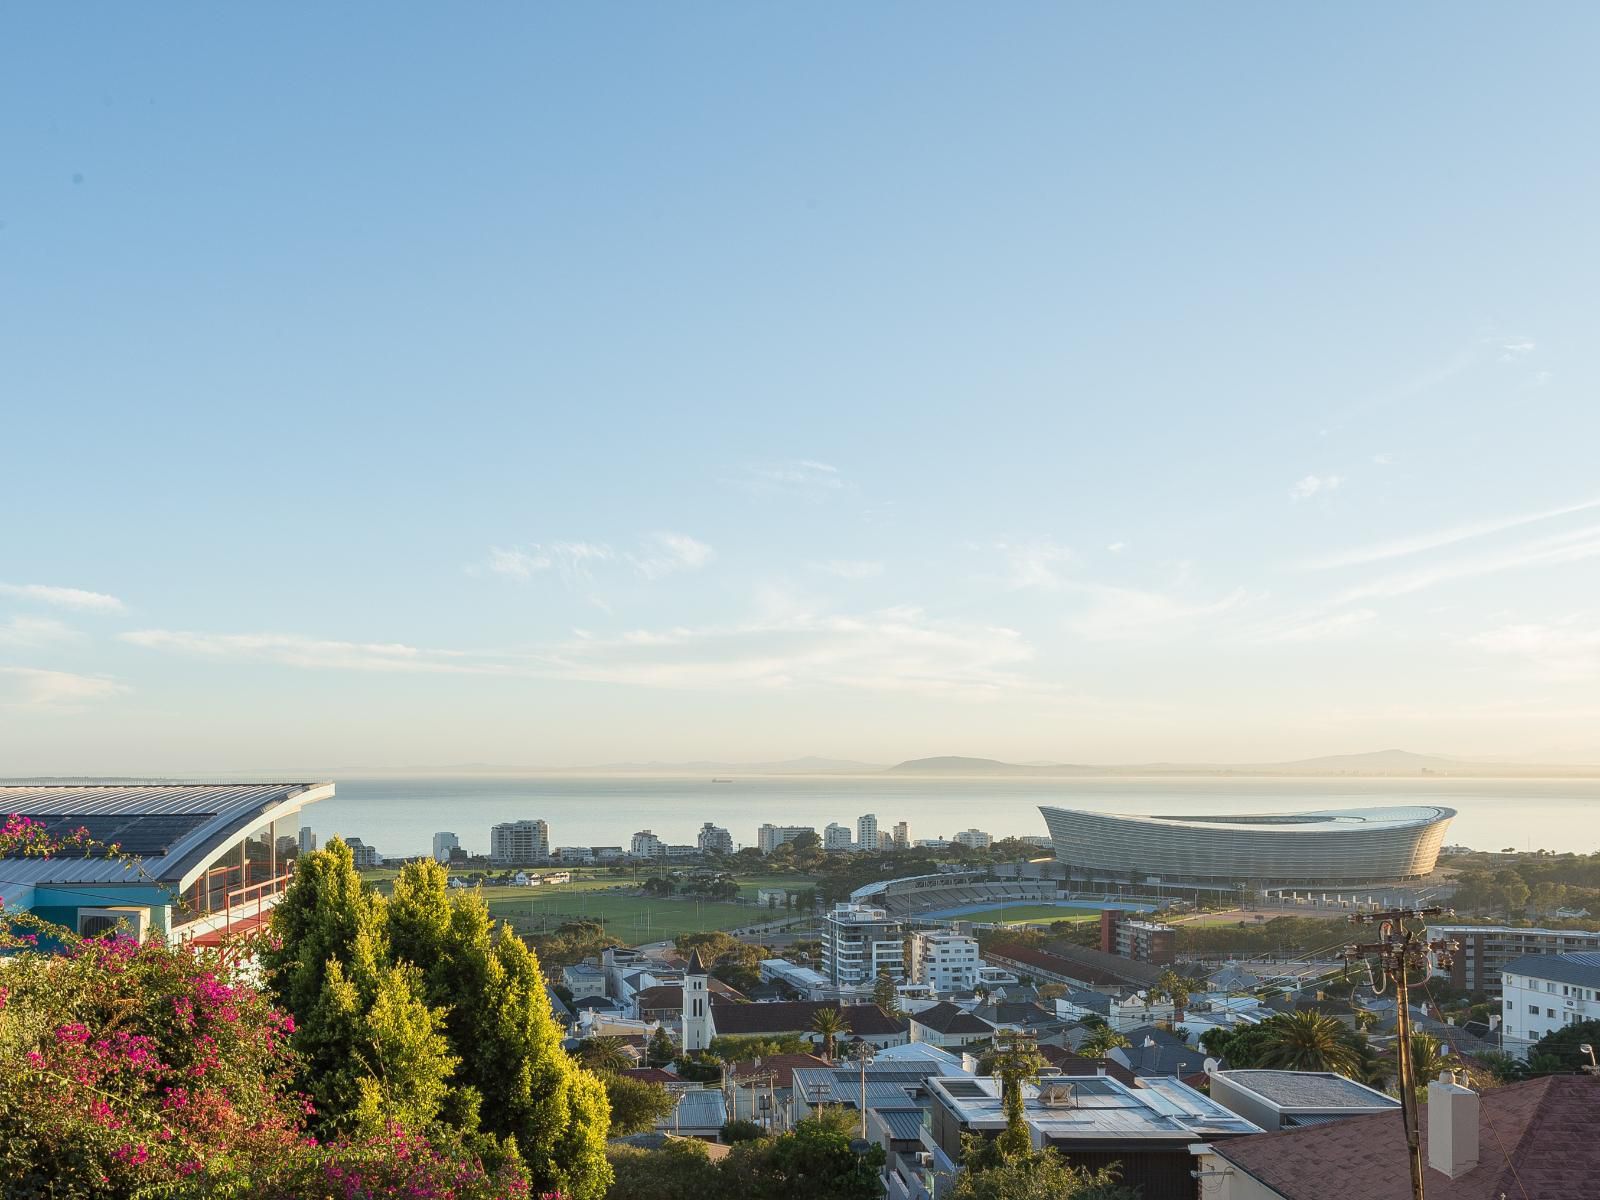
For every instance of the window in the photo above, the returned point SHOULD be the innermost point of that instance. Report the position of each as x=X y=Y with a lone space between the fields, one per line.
x=1533 y=1010
x=1549 y=1012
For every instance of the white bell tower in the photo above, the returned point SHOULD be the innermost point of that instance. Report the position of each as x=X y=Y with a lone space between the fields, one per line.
x=697 y=1027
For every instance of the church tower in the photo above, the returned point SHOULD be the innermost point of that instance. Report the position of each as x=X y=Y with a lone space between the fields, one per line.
x=697 y=1028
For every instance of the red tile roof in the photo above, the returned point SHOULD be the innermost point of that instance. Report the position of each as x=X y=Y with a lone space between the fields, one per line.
x=781 y=1065
x=650 y=1075
x=1535 y=1139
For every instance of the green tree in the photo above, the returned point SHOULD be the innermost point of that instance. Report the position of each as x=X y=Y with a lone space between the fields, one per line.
x=1173 y=987
x=1102 y=1039
x=1307 y=1040
x=681 y=1170
x=660 y=1051
x=604 y=1054
x=1428 y=1058
x=815 y=1161
x=1018 y=1063
x=636 y=1106
x=829 y=1022
x=884 y=995
x=1557 y=1053
x=318 y=920
x=1042 y=1176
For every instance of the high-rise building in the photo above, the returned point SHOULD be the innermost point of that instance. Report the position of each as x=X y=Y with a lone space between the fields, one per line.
x=714 y=839
x=945 y=962
x=973 y=839
x=836 y=837
x=867 y=832
x=308 y=840
x=517 y=842
x=770 y=837
x=365 y=856
x=859 y=942
x=902 y=836
x=443 y=843
x=647 y=845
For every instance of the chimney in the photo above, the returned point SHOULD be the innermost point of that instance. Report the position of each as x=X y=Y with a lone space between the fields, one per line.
x=1452 y=1126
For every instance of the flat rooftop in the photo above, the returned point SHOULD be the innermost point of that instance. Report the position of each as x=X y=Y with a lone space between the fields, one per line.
x=1308 y=1089
x=1095 y=1108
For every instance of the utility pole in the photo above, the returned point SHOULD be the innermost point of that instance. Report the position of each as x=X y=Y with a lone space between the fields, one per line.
x=1399 y=950
x=864 y=1054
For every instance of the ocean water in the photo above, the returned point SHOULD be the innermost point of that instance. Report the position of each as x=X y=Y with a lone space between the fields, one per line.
x=401 y=815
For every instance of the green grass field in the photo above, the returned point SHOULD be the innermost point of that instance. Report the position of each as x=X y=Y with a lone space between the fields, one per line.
x=634 y=919
x=1030 y=914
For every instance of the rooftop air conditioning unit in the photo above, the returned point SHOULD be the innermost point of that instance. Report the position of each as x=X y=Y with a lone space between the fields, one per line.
x=1057 y=1095
x=102 y=922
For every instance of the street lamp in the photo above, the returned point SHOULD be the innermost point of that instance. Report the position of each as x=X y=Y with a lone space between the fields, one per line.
x=1586 y=1048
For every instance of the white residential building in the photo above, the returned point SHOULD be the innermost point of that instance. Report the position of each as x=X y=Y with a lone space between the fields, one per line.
x=515 y=842
x=365 y=856
x=647 y=845
x=770 y=837
x=443 y=843
x=974 y=839
x=575 y=854
x=1542 y=993
x=836 y=837
x=858 y=943
x=946 y=962
x=867 y=832
x=308 y=840
x=714 y=839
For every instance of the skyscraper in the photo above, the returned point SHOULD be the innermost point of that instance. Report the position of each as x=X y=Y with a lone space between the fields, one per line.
x=867 y=832
x=516 y=842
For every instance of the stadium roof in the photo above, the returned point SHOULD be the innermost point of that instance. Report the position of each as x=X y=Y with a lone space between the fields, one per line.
x=1329 y=820
x=167 y=832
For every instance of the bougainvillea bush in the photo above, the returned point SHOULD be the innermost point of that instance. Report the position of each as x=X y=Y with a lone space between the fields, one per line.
x=132 y=1069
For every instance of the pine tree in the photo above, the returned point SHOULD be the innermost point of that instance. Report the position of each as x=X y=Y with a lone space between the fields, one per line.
x=884 y=995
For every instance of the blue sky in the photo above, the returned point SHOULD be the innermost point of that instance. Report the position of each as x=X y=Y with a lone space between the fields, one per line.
x=570 y=384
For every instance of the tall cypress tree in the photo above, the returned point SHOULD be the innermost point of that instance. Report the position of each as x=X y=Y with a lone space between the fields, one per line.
x=497 y=1017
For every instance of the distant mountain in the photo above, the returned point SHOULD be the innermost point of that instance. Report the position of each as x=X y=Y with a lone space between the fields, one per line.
x=1376 y=761
x=955 y=764
x=1377 y=764
x=807 y=765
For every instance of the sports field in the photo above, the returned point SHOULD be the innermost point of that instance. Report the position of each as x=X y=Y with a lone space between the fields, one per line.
x=1026 y=914
x=633 y=918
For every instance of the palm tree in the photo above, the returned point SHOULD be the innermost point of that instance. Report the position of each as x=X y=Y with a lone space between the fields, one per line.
x=829 y=1022
x=1428 y=1058
x=1175 y=988
x=1101 y=1040
x=605 y=1054
x=1307 y=1040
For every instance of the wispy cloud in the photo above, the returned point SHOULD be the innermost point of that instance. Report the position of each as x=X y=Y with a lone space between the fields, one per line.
x=1117 y=547
x=62 y=597
x=800 y=476
x=668 y=553
x=1123 y=613
x=1572 y=546
x=1383 y=460
x=1438 y=539
x=1315 y=627
x=1036 y=563
x=893 y=650
x=845 y=568
x=294 y=650
x=1310 y=485
x=35 y=631
x=33 y=690
x=1515 y=348
x=1566 y=651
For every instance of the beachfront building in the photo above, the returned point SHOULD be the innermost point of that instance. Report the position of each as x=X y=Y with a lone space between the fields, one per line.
x=867 y=832
x=974 y=839
x=859 y=943
x=770 y=837
x=1353 y=847
x=902 y=836
x=443 y=843
x=516 y=842
x=195 y=861
x=836 y=837
x=945 y=962
x=714 y=839
x=647 y=845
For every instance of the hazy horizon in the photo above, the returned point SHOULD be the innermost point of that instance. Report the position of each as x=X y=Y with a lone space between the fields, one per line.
x=581 y=386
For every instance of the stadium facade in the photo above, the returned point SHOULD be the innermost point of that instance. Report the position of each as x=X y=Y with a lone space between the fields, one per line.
x=1353 y=847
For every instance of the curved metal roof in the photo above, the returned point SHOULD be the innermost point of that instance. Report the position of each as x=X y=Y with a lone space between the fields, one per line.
x=1327 y=820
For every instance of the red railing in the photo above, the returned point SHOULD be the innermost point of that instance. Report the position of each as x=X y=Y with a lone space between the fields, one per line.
x=240 y=898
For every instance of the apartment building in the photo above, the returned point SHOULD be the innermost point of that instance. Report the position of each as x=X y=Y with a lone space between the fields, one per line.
x=974 y=839
x=1546 y=992
x=1142 y=941
x=1485 y=949
x=902 y=836
x=519 y=842
x=647 y=845
x=770 y=837
x=366 y=857
x=867 y=832
x=714 y=839
x=858 y=943
x=443 y=843
x=945 y=962
x=836 y=837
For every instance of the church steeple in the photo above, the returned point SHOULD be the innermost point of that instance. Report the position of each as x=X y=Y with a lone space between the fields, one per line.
x=698 y=1029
